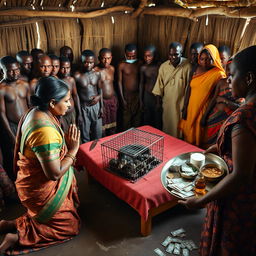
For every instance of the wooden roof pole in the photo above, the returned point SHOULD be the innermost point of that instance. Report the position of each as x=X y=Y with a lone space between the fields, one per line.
x=194 y=14
x=65 y=14
x=139 y=10
x=221 y=4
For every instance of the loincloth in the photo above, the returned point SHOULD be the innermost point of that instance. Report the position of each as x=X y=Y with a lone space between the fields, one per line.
x=109 y=112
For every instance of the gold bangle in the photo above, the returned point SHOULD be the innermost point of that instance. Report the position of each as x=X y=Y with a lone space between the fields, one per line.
x=72 y=157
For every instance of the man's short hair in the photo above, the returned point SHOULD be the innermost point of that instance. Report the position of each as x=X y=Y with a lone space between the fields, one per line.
x=21 y=54
x=87 y=53
x=104 y=50
x=64 y=59
x=150 y=48
x=130 y=47
x=53 y=57
x=7 y=60
x=175 y=45
x=224 y=48
x=196 y=45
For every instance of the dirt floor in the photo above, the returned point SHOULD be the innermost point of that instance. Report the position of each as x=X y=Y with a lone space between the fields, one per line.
x=111 y=227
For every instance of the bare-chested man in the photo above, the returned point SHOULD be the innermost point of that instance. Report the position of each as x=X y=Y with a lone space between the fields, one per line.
x=109 y=96
x=73 y=115
x=55 y=65
x=43 y=68
x=14 y=101
x=26 y=60
x=90 y=95
x=128 y=85
x=149 y=103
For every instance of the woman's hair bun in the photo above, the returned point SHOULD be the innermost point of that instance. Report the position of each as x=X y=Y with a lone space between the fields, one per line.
x=36 y=101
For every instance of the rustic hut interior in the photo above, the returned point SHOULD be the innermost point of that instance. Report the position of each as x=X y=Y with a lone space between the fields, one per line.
x=110 y=226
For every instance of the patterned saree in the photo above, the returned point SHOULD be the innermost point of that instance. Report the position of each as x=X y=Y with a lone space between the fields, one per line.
x=51 y=215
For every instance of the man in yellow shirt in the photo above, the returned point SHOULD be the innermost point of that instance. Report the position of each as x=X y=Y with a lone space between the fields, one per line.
x=172 y=80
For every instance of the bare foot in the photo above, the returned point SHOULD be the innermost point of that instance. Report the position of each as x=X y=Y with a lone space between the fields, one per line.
x=9 y=241
x=7 y=226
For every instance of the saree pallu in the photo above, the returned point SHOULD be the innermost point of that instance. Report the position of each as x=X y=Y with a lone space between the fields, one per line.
x=201 y=88
x=51 y=215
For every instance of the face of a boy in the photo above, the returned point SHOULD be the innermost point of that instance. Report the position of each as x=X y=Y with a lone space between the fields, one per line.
x=89 y=63
x=148 y=57
x=65 y=69
x=105 y=59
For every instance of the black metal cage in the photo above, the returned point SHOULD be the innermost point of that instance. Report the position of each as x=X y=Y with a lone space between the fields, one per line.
x=132 y=153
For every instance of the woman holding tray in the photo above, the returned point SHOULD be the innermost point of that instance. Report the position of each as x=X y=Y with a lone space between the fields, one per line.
x=45 y=180
x=230 y=223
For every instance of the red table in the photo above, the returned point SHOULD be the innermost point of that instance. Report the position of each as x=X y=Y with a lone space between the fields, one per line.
x=147 y=196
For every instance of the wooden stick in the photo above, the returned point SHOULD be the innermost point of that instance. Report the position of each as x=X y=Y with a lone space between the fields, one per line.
x=194 y=14
x=220 y=4
x=65 y=14
x=163 y=11
x=229 y=12
x=139 y=10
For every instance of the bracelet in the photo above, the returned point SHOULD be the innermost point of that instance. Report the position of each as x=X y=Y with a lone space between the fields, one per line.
x=72 y=157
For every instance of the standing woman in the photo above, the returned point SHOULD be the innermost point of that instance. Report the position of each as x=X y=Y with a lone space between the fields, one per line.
x=45 y=182
x=207 y=74
x=230 y=223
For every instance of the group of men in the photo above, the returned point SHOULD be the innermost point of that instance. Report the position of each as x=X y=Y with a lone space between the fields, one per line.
x=145 y=92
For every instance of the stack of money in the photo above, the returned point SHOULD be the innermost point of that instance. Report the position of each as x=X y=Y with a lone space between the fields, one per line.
x=175 y=245
x=181 y=187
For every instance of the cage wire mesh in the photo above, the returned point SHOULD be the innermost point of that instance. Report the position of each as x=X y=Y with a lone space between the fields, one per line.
x=133 y=153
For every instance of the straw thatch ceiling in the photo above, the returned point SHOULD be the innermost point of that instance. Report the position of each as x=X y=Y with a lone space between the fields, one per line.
x=191 y=9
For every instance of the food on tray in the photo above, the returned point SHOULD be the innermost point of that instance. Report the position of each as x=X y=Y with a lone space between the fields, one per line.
x=188 y=170
x=212 y=172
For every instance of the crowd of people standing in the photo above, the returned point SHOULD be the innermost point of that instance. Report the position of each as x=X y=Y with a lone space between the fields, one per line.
x=42 y=94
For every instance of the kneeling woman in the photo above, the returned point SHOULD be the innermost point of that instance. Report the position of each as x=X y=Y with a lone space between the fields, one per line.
x=45 y=183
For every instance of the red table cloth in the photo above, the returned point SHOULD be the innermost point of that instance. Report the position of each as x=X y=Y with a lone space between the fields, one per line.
x=146 y=193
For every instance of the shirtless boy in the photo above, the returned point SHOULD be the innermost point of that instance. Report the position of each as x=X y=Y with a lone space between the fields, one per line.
x=128 y=85
x=14 y=101
x=90 y=95
x=149 y=103
x=73 y=114
x=109 y=97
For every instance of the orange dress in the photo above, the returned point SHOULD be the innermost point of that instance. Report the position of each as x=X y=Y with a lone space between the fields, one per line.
x=202 y=86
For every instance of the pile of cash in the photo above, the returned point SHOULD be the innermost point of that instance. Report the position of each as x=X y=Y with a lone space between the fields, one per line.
x=180 y=187
x=175 y=245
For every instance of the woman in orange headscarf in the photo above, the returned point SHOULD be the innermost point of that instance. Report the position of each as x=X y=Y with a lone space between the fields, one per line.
x=202 y=85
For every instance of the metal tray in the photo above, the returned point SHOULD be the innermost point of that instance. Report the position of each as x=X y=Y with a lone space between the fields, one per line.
x=209 y=158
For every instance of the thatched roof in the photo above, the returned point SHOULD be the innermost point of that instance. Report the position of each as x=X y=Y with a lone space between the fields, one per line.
x=92 y=8
x=93 y=24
